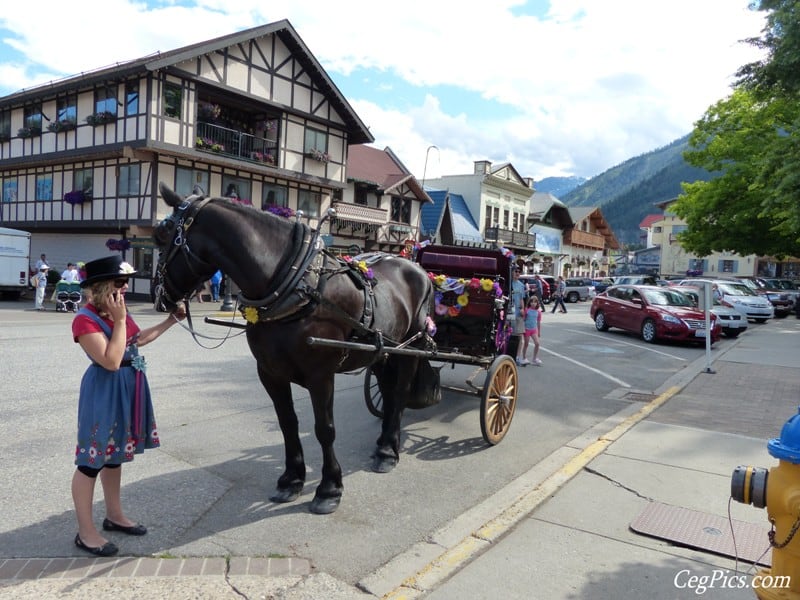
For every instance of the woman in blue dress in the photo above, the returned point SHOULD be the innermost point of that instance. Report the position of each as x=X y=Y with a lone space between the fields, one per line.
x=115 y=411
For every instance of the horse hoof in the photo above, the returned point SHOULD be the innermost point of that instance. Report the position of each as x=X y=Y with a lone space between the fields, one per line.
x=284 y=495
x=324 y=506
x=383 y=464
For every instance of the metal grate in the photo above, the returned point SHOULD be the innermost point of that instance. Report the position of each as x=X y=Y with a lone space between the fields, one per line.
x=703 y=531
x=638 y=397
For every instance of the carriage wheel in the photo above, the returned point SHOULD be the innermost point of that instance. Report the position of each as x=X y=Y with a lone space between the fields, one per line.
x=372 y=394
x=499 y=399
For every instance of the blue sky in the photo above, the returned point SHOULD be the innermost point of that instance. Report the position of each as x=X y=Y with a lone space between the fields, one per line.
x=561 y=87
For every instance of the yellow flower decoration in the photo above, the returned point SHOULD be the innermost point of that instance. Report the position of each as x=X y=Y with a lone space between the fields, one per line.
x=486 y=285
x=251 y=314
x=362 y=265
x=463 y=299
x=440 y=280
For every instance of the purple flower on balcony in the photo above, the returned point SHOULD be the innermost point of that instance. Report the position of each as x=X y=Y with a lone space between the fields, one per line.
x=281 y=211
x=75 y=197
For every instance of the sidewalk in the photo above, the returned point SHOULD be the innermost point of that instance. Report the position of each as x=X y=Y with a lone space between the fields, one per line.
x=563 y=530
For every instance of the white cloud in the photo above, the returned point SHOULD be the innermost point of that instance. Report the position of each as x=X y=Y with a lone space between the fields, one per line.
x=586 y=87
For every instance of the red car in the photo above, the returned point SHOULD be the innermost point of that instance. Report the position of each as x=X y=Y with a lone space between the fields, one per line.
x=654 y=312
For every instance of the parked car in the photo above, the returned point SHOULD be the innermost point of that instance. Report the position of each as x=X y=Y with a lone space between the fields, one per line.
x=739 y=296
x=601 y=284
x=654 y=312
x=780 y=298
x=578 y=289
x=636 y=280
x=787 y=285
x=547 y=290
x=731 y=320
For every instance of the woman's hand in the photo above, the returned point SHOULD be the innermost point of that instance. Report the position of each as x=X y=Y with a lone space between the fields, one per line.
x=180 y=311
x=115 y=307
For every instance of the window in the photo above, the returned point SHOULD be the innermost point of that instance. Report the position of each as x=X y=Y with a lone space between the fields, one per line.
x=235 y=187
x=679 y=228
x=105 y=100
x=186 y=179
x=5 y=125
x=309 y=202
x=727 y=266
x=143 y=259
x=315 y=140
x=67 y=110
x=360 y=196
x=401 y=210
x=44 y=187
x=275 y=195
x=82 y=180
x=505 y=219
x=32 y=120
x=9 y=190
x=128 y=180
x=657 y=229
x=172 y=100
x=131 y=98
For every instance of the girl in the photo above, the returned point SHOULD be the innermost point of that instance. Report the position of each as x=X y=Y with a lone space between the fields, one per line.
x=115 y=412
x=533 y=325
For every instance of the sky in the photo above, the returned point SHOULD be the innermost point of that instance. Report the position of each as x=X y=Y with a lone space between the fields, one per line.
x=554 y=87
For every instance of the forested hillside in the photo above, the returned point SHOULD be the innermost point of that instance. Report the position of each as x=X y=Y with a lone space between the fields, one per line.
x=628 y=192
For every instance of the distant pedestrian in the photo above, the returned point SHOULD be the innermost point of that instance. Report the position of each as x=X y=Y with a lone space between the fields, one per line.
x=538 y=288
x=215 y=280
x=40 y=279
x=558 y=295
x=70 y=274
x=533 y=329
x=42 y=261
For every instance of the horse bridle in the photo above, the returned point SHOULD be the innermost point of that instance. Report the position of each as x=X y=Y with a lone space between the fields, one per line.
x=182 y=218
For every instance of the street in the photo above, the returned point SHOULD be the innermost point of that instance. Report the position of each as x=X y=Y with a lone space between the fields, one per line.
x=205 y=491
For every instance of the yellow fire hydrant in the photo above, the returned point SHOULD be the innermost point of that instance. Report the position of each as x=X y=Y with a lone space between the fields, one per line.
x=777 y=489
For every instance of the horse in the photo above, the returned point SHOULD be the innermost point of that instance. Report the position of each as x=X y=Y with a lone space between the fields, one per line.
x=292 y=289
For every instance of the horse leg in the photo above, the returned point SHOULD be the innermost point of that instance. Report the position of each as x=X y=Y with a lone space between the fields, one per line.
x=290 y=483
x=396 y=379
x=329 y=491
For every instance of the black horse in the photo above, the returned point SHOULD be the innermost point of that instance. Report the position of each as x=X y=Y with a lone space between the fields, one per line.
x=291 y=289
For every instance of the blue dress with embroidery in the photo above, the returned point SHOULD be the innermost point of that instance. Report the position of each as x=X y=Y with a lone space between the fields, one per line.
x=115 y=410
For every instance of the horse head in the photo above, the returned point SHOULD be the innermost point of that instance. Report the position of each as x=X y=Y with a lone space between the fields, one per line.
x=180 y=269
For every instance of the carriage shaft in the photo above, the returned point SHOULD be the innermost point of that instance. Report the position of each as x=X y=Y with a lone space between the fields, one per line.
x=453 y=357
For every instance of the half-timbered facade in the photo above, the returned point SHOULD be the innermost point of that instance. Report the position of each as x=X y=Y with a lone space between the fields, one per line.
x=251 y=115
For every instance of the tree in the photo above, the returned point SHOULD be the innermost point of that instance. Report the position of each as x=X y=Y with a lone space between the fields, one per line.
x=751 y=141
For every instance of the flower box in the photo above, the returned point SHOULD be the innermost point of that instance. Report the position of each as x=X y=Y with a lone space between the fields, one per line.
x=281 y=211
x=64 y=125
x=204 y=143
x=318 y=155
x=264 y=157
x=76 y=197
x=101 y=118
x=29 y=132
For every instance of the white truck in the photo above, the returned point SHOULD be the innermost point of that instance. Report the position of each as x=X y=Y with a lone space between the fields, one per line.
x=15 y=255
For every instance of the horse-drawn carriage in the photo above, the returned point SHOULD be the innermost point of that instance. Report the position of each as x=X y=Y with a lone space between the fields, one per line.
x=471 y=292
x=310 y=315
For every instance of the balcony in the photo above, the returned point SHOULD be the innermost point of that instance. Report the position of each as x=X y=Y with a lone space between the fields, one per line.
x=585 y=239
x=358 y=217
x=217 y=139
x=508 y=237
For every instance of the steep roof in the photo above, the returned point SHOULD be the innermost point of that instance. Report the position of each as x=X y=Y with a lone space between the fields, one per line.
x=381 y=168
x=451 y=207
x=359 y=133
x=649 y=220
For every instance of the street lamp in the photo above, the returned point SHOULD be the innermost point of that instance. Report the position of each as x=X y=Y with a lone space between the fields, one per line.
x=227 y=300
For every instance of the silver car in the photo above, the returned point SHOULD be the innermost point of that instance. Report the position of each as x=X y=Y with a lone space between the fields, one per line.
x=739 y=296
x=732 y=321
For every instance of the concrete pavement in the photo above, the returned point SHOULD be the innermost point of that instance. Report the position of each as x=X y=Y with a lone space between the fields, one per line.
x=562 y=530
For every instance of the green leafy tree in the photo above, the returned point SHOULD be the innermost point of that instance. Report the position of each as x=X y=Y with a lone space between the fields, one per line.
x=751 y=141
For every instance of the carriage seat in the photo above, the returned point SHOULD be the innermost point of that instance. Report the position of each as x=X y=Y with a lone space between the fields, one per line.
x=459 y=265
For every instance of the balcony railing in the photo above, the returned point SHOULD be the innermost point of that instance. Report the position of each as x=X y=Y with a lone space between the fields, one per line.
x=576 y=237
x=518 y=239
x=230 y=142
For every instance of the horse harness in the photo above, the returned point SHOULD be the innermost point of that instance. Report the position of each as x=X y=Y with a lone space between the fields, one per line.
x=298 y=284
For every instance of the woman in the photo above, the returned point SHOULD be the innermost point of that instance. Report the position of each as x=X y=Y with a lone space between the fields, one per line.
x=115 y=411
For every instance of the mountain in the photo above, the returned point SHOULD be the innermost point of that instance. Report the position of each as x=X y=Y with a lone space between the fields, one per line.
x=628 y=192
x=558 y=186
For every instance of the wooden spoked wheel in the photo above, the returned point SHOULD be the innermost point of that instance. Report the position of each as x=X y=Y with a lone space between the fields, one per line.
x=372 y=394
x=499 y=399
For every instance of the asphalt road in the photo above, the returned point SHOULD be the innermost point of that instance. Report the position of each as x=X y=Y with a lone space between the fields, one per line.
x=205 y=491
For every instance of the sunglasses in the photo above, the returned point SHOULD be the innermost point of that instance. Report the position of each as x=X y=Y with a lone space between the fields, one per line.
x=119 y=283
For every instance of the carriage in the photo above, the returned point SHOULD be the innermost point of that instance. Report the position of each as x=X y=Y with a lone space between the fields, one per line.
x=310 y=315
x=471 y=293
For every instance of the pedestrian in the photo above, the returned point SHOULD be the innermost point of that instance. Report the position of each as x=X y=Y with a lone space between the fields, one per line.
x=81 y=271
x=516 y=308
x=215 y=280
x=558 y=295
x=115 y=410
x=533 y=329
x=538 y=288
x=42 y=261
x=70 y=274
x=716 y=294
x=40 y=281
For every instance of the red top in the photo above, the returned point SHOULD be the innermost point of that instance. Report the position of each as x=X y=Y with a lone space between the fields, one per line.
x=83 y=324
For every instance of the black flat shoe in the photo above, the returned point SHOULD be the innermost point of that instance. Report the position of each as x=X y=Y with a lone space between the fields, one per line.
x=137 y=529
x=107 y=549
